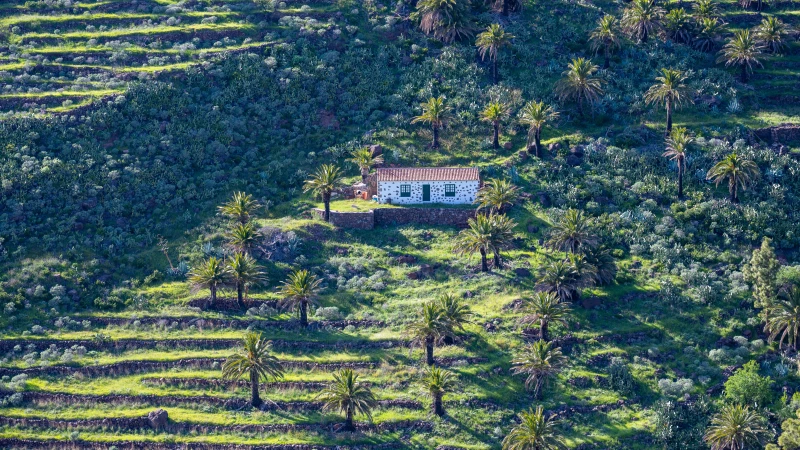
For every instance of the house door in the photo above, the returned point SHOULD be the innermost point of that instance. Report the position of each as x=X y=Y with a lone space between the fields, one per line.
x=426 y=192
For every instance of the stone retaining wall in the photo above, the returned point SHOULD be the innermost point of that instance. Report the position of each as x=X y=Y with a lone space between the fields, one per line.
x=399 y=216
x=781 y=134
x=216 y=323
x=33 y=444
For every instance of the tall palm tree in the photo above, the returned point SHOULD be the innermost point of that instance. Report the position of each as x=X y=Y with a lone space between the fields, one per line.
x=535 y=115
x=477 y=237
x=300 y=290
x=678 y=26
x=742 y=50
x=323 y=182
x=365 y=160
x=244 y=272
x=429 y=329
x=606 y=37
x=572 y=233
x=495 y=113
x=708 y=33
x=446 y=20
x=490 y=42
x=783 y=317
x=545 y=308
x=705 y=9
x=670 y=91
x=579 y=83
x=497 y=195
x=435 y=113
x=454 y=312
x=736 y=427
x=677 y=145
x=437 y=382
x=501 y=235
x=534 y=432
x=348 y=395
x=770 y=34
x=560 y=278
x=642 y=19
x=212 y=274
x=540 y=362
x=243 y=237
x=738 y=171
x=254 y=361
x=240 y=207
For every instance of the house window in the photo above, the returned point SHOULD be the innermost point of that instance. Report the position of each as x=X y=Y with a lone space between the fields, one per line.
x=449 y=190
x=405 y=190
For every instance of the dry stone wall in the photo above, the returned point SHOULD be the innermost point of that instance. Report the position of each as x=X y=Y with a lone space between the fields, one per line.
x=399 y=216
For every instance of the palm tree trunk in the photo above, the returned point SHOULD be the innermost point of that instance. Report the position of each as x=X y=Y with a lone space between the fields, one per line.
x=494 y=69
x=429 y=350
x=326 y=198
x=506 y=7
x=255 y=400
x=364 y=174
x=537 y=142
x=497 y=262
x=348 y=421
x=239 y=289
x=484 y=263
x=669 y=117
x=744 y=73
x=543 y=330
x=496 y=140
x=733 y=191
x=435 y=136
x=304 y=313
x=438 y=408
x=580 y=104
x=607 y=61
x=680 y=182
x=213 y=289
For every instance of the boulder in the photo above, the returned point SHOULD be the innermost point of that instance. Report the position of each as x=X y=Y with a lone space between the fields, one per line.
x=376 y=150
x=523 y=155
x=158 y=419
x=413 y=276
x=508 y=145
x=522 y=272
x=553 y=147
x=426 y=269
x=406 y=259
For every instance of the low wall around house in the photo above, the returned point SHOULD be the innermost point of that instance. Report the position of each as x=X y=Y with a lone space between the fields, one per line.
x=399 y=216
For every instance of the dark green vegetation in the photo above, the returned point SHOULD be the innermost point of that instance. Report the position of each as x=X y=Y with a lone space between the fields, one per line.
x=632 y=250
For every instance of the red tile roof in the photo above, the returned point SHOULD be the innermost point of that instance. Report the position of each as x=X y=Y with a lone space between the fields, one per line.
x=428 y=174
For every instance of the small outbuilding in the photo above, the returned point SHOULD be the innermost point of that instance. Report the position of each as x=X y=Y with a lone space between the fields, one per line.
x=419 y=185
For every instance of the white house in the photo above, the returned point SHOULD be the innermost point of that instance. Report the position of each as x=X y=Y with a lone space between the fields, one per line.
x=415 y=185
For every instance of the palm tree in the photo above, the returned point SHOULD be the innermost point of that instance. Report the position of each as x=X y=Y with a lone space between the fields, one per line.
x=244 y=272
x=560 y=278
x=605 y=268
x=323 y=182
x=572 y=233
x=348 y=395
x=300 y=290
x=434 y=112
x=605 y=37
x=501 y=235
x=212 y=274
x=545 y=308
x=678 y=26
x=642 y=19
x=240 y=207
x=709 y=30
x=783 y=317
x=541 y=362
x=736 y=427
x=490 y=42
x=476 y=238
x=429 y=329
x=255 y=361
x=705 y=9
x=446 y=20
x=497 y=195
x=739 y=172
x=534 y=432
x=743 y=50
x=243 y=237
x=495 y=113
x=365 y=161
x=579 y=84
x=454 y=312
x=670 y=91
x=770 y=34
x=677 y=144
x=437 y=382
x=535 y=115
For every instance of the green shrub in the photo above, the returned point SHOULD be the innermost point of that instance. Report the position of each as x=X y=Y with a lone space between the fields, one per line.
x=747 y=387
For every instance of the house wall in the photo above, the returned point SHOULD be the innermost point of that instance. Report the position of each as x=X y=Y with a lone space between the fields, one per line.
x=465 y=192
